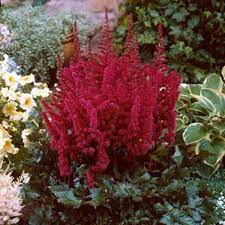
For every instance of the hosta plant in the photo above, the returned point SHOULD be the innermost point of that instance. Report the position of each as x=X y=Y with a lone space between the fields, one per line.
x=111 y=111
x=201 y=120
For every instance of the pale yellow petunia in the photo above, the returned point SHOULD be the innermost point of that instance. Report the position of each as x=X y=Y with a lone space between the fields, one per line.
x=10 y=109
x=11 y=80
x=26 y=79
x=26 y=101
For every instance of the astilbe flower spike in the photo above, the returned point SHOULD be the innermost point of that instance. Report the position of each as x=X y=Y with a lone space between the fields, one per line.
x=103 y=110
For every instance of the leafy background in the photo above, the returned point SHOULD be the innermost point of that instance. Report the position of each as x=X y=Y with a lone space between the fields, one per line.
x=193 y=32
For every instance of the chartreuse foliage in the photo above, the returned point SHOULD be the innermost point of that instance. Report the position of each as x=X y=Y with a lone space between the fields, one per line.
x=202 y=120
x=193 y=30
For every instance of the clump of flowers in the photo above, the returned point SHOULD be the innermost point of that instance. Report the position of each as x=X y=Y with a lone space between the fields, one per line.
x=110 y=110
x=5 y=35
x=10 y=197
x=18 y=102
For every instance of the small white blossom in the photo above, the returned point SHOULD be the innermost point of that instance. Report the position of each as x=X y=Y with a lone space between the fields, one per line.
x=10 y=199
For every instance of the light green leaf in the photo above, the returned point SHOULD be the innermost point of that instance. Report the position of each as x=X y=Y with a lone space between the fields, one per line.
x=180 y=124
x=195 y=89
x=197 y=107
x=213 y=82
x=195 y=132
x=214 y=98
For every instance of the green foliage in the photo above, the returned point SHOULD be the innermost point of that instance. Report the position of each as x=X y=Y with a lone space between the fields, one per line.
x=140 y=197
x=201 y=121
x=36 y=40
x=193 y=31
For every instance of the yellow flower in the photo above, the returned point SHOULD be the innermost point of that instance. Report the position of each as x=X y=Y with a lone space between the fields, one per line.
x=6 y=145
x=11 y=80
x=27 y=102
x=27 y=79
x=9 y=109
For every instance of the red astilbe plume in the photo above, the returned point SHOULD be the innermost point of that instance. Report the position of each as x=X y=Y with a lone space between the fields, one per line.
x=103 y=109
x=164 y=113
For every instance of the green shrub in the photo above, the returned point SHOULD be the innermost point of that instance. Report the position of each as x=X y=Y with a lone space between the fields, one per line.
x=194 y=33
x=201 y=121
x=36 y=40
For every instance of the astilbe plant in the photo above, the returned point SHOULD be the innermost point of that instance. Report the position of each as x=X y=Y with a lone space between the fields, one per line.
x=109 y=110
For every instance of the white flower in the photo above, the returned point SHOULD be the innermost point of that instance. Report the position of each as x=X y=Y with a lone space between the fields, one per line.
x=26 y=101
x=10 y=199
x=8 y=93
x=11 y=80
x=5 y=124
x=25 y=134
x=42 y=92
x=26 y=115
x=27 y=79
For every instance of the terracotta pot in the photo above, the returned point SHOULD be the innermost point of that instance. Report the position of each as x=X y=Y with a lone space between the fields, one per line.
x=68 y=48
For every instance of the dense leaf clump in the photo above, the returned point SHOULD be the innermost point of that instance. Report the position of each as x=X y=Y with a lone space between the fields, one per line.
x=194 y=33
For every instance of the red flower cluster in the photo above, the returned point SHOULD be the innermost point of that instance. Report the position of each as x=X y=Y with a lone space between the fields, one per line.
x=108 y=108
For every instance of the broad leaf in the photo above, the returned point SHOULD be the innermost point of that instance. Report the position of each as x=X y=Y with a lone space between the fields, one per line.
x=65 y=195
x=214 y=99
x=217 y=150
x=195 y=132
x=180 y=124
x=213 y=82
x=197 y=107
x=195 y=89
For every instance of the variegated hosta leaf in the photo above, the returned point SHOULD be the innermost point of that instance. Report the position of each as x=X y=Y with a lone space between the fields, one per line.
x=195 y=89
x=216 y=99
x=207 y=103
x=185 y=92
x=213 y=82
x=194 y=133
